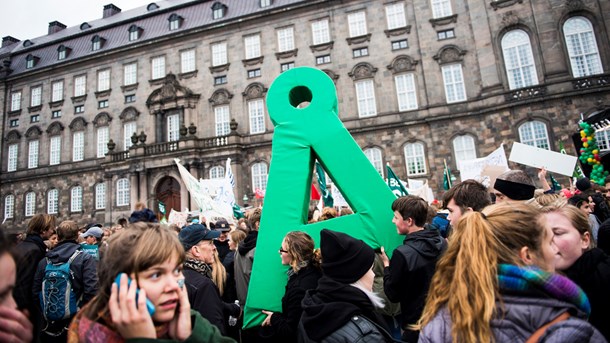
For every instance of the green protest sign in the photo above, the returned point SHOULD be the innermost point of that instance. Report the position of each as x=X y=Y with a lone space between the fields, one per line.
x=301 y=136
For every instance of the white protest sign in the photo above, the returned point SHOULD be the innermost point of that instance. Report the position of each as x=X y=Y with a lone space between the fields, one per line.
x=472 y=169
x=536 y=157
x=338 y=199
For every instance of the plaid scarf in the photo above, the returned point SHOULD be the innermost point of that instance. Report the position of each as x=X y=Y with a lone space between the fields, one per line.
x=199 y=266
x=515 y=278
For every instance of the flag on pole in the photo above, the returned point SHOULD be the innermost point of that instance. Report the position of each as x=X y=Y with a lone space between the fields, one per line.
x=328 y=198
x=229 y=173
x=555 y=186
x=315 y=195
x=447 y=177
x=394 y=183
x=578 y=173
x=238 y=212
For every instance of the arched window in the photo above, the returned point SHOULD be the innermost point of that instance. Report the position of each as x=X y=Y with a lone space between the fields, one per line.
x=100 y=196
x=534 y=133
x=30 y=204
x=259 y=176
x=519 y=60
x=464 y=149
x=52 y=201
x=415 y=159
x=9 y=206
x=582 y=47
x=76 y=199
x=175 y=21
x=217 y=172
x=374 y=156
x=122 y=192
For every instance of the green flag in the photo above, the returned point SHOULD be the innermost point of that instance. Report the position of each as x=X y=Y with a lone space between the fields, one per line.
x=555 y=186
x=447 y=177
x=238 y=212
x=162 y=208
x=395 y=184
x=328 y=198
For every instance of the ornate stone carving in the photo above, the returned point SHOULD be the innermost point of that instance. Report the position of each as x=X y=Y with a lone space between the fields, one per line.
x=449 y=54
x=78 y=124
x=286 y=54
x=503 y=3
x=362 y=71
x=591 y=81
x=102 y=119
x=33 y=132
x=13 y=136
x=359 y=39
x=331 y=74
x=220 y=97
x=171 y=95
x=55 y=128
x=253 y=61
x=509 y=19
x=402 y=63
x=217 y=69
x=574 y=5
x=254 y=91
x=322 y=47
x=525 y=93
x=444 y=20
x=130 y=113
x=398 y=31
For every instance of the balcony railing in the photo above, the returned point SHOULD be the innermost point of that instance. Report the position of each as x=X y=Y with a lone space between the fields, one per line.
x=160 y=148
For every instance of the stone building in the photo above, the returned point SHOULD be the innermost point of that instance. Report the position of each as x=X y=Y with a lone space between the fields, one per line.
x=95 y=114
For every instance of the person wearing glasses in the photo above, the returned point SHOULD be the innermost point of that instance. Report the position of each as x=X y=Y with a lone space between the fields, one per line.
x=296 y=251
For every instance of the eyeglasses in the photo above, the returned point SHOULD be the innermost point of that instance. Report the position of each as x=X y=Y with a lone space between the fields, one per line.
x=283 y=251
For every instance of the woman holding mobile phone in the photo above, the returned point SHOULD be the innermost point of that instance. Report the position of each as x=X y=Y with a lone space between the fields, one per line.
x=151 y=256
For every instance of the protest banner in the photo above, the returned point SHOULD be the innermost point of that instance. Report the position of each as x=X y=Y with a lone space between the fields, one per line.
x=536 y=157
x=472 y=169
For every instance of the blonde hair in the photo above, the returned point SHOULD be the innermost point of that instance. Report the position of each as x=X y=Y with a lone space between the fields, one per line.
x=219 y=273
x=577 y=218
x=466 y=278
x=301 y=249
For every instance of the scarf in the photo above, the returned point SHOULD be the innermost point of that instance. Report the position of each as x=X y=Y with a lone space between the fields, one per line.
x=199 y=266
x=301 y=265
x=524 y=279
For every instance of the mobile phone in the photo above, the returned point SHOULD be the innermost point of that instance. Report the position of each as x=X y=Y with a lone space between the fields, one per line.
x=149 y=305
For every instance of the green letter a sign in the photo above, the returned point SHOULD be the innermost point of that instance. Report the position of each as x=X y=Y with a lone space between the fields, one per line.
x=301 y=136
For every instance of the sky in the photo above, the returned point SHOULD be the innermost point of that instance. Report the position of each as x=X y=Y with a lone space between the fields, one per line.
x=27 y=19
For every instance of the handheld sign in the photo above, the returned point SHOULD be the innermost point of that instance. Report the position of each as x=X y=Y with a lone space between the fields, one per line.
x=536 y=157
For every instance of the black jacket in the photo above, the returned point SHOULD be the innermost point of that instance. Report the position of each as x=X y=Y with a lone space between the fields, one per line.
x=284 y=325
x=27 y=255
x=603 y=237
x=408 y=277
x=592 y=273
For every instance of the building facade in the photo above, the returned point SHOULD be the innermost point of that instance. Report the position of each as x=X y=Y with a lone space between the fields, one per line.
x=94 y=115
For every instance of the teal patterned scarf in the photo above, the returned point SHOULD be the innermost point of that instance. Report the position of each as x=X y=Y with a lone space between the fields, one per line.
x=515 y=278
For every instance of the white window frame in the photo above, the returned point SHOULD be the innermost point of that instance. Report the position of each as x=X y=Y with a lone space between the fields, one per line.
x=129 y=129
x=57 y=91
x=441 y=8
x=357 y=24
x=464 y=148
x=219 y=54
x=54 y=150
x=36 y=96
x=122 y=192
x=103 y=134
x=157 y=67
x=130 y=74
x=415 y=159
x=80 y=85
x=222 y=115
x=376 y=158
x=30 y=204
x=406 y=92
x=173 y=127
x=285 y=39
x=320 y=31
x=13 y=151
x=16 y=101
x=453 y=81
x=9 y=206
x=256 y=113
x=78 y=146
x=103 y=80
x=252 y=46
x=535 y=133
x=519 y=59
x=100 y=196
x=603 y=139
x=581 y=44
x=365 y=95
x=217 y=172
x=395 y=15
x=53 y=201
x=187 y=61
x=33 y=147
x=76 y=199
x=259 y=176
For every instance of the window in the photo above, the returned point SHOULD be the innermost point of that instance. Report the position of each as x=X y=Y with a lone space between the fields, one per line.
x=603 y=139
x=130 y=98
x=56 y=114
x=96 y=43
x=33 y=154
x=220 y=80
x=122 y=192
x=187 y=61
x=534 y=133
x=134 y=33
x=357 y=24
x=217 y=172
x=52 y=201
x=259 y=176
x=254 y=73
x=395 y=14
x=13 y=123
x=218 y=10
x=415 y=158
x=102 y=141
x=158 y=67
x=57 y=91
x=518 y=59
x=405 y=91
x=80 y=85
x=265 y=3
x=12 y=157
x=76 y=199
x=441 y=8
x=445 y=34
x=257 y=116
x=36 y=96
x=30 y=204
x=78 y=146
x=54 y=150
x=222 y=120
x=285 y=39
x=130 y=74
x=173 y=128
x=582 y=47
x=100 y=196
x=374 y=156
x=360 y=52
x=102 y=104
x=103 y=80
x=79 y=109
x=323 y=59
x=128 y=130
x=35 y=118
x=252 y=46
x=320 y=32
x=464 y=148
x=400 y=44
x=30 y=61
x=175 y=21
x=286 y=66
x=219 y=54
x=366 y=98
x=454 y=83
x=9 y=206
x=15 y=101
x=62 y=52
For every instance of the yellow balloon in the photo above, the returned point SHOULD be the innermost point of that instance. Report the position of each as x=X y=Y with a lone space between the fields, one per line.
x=589 y=160
x=585 y=144
x=582 y=133
x=595 y=152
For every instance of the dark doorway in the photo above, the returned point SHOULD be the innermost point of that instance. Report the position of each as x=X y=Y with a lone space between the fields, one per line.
x=168 y=192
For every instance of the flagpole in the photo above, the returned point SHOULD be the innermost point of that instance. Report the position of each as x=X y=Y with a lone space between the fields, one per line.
x=446 y=173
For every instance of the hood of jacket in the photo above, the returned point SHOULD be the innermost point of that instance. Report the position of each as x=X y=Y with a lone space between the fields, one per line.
x=63 y=251
x=428 y=242
x=248 y=243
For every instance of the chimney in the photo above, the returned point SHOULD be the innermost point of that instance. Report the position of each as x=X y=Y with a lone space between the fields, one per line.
x=55 y=26
x=8 y=40
x=110 y=10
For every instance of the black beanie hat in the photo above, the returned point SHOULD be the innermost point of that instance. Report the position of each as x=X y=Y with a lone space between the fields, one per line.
x=583 y=184
x=344 y=258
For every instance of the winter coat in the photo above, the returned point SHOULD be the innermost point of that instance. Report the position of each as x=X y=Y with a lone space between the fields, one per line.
x=27 y=255
x=521 y=318
x=243 y=265
x=284 y=324
x=603 y=237
x=592 y=273
x=408 y=277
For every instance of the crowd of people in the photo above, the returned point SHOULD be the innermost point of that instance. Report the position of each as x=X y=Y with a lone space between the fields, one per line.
x=514 y=263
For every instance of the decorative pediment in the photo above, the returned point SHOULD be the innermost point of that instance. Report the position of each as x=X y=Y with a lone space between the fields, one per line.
x=574 y=5
x=171 y=95
x=102 y=119
x=402 y=63
x=13 y=136
x=129 y=114
x=220 y=97
x=78 y=124
x=55 y=128
x=361 y=71
x=33 y=132
x=331 y=74
x=254 y=91
x=510 y=18
x=449 y=54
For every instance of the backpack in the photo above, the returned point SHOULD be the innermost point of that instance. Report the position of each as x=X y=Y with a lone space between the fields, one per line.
x=58 y=300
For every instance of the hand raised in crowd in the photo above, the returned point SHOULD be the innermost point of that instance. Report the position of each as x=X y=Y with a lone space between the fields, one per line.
x=14 y=326
x=180 y=327
x=267 y=321
x=384 y=258
x=131 y=320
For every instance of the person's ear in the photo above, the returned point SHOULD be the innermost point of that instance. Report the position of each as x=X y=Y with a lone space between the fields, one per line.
x=585 y=241
x=469 y=209
x=526 y=256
